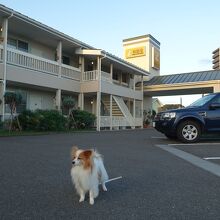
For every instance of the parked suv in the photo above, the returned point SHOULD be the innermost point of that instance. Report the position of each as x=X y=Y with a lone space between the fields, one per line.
x=187 y=124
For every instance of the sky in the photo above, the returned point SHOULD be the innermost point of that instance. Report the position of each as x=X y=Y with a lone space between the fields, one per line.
x=187 y=30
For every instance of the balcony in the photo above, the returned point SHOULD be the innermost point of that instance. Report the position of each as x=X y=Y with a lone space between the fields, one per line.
x=108 y=85
x=32 y=62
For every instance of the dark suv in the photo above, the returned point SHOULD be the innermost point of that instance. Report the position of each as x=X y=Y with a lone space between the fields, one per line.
x=187 y=124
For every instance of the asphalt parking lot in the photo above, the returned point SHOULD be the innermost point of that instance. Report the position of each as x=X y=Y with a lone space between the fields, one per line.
x=161 y=179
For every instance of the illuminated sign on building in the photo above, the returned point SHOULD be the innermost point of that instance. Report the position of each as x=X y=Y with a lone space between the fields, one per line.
x=135 y=52
x=155 y=58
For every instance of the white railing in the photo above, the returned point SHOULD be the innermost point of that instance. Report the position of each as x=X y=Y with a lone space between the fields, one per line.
x=93 y=75
x=138 y=122
x=105 y=121
x=118 y=121
x=30 y=61
x=70 y=72
x=90 y=75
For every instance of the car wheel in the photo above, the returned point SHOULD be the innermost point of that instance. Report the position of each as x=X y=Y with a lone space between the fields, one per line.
x=188 y=131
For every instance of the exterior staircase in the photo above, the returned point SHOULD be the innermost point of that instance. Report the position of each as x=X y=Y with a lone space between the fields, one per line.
x=119 y=108
x=115 y=109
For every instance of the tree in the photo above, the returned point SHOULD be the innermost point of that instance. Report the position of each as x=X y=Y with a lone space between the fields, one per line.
x=69 y=104
x=13 y=99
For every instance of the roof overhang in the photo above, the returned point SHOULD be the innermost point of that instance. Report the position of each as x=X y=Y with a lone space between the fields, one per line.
x=201 y=87
x=97 y=52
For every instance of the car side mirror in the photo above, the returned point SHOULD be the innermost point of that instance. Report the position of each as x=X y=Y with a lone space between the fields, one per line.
x=214 y=106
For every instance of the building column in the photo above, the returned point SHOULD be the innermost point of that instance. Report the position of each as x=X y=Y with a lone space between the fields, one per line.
x=111 y=71
x=82 y=66
x=58 y=99
x=111 y=112
x=98 y=106
x=134 y=109
x=142 y=100
x=81 y=101
x=134 y=83
x=59 y=58
x=216 y=87
x=4 y=59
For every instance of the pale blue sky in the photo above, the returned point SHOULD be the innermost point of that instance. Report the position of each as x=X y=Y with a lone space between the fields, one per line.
x=187 y=30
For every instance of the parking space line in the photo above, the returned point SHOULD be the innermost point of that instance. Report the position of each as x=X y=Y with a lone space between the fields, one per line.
x=194 y=144
x=211 y=158
x=203 y=164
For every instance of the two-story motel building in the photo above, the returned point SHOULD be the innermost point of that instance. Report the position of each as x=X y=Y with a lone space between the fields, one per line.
x=45 y=65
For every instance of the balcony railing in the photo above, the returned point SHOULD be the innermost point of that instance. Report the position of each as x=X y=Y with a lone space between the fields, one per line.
x=94 y=75
x=90 y=75
x=70 y=72
x=29 y=61
x=119 y=121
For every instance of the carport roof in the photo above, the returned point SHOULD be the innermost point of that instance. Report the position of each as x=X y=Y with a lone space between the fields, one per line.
x=184 y=78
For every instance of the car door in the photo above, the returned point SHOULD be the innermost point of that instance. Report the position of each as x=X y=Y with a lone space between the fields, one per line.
x=213 y=115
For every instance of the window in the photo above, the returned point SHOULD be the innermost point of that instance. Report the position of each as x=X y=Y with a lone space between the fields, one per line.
x=115 y=76
x=18 y=44
x=12 y=43
x=22 y=46
x=66 y=60
x=124 y=78
x=21 y=107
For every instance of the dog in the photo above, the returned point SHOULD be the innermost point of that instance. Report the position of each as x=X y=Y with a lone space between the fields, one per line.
x=87 y=172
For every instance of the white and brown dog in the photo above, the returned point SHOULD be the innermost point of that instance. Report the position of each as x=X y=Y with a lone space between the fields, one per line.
x=87 y=173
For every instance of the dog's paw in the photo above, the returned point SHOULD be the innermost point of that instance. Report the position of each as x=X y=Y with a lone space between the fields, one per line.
x=104 y=188
x=81 y=199
x=91 y=201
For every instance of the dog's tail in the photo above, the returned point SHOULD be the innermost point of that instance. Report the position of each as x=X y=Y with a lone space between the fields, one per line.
x=103 y=175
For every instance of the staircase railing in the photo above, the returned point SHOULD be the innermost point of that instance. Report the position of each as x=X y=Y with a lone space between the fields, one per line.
x=124 y=109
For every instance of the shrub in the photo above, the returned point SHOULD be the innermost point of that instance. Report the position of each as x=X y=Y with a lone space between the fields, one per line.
x=82 y=119
x=42 y=120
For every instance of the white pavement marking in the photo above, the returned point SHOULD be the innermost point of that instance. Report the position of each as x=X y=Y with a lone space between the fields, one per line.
x=112 y=179
x=194 y=144
x=203 y=164
x=211 y=158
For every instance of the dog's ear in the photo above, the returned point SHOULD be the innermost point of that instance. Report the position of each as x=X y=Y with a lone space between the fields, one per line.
x=73 y=151
x=87 y=153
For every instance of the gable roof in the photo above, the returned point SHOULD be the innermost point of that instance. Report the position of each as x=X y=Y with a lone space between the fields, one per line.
x=8 y=12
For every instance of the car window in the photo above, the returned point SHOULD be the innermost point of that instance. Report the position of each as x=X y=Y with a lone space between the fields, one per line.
x=202 y=101
x=216 y=100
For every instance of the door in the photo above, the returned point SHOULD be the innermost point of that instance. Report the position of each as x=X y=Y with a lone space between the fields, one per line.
x=213 y=115
x=35 y=101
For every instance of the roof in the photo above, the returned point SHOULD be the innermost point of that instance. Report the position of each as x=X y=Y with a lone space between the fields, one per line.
x=11 y=12
x=184 y=78
x=141 y=37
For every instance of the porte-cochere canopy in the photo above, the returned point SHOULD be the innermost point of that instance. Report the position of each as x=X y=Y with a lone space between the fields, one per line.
x=183 y=84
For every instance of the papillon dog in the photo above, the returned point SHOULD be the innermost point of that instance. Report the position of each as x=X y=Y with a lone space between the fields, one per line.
x=87 y=173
